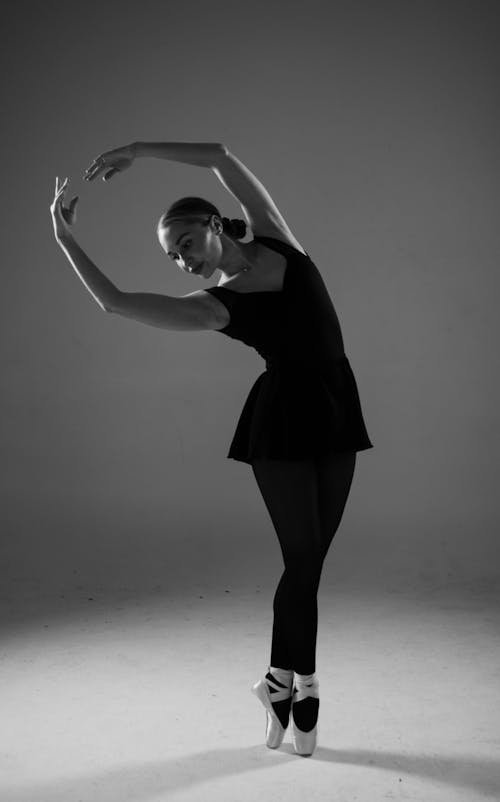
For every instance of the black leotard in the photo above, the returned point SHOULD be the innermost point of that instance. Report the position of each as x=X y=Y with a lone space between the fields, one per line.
x=306 y=402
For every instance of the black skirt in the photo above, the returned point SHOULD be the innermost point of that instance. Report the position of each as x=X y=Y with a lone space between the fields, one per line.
x=300 y=410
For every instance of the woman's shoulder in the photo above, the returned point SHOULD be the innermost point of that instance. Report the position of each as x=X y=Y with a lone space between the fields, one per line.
x=280 y=233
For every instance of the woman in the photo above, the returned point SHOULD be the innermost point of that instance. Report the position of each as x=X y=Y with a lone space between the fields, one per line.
x=301 y=425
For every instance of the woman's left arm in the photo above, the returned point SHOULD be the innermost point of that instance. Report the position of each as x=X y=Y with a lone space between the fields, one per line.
x=101 y=288
x=200 y=154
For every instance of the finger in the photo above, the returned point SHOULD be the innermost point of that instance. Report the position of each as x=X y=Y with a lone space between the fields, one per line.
x=110 y=174
x=94 y=161
x=60 y=194
x=94 y=172
x=97 y=159
x=95 y=165
x=62 y=187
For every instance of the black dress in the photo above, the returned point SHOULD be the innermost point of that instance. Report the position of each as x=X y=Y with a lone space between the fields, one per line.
x=306 y=402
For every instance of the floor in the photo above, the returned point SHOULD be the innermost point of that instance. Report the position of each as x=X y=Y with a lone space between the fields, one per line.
x=139 y=696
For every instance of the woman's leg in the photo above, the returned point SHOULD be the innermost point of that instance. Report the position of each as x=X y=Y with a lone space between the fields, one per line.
x=290 y=492
x=305 y=500
x=335 y=475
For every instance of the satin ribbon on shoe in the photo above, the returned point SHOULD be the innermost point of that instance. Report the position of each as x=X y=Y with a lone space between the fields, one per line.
x=277 y=700
x=305 y=710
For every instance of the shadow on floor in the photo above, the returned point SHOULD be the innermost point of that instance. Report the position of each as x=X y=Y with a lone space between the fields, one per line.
x=146 y=780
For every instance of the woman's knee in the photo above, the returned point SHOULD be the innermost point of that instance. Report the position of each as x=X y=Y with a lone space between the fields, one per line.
x=304 y=566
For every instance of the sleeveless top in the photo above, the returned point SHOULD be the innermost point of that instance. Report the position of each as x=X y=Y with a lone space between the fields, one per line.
x=306 y=402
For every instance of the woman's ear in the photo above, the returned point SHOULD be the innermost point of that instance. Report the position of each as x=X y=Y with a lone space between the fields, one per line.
x=216 y=224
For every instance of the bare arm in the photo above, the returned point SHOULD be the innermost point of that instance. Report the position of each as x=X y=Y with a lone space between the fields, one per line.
x=194 y=312
x=201 y=154
x=101 y=288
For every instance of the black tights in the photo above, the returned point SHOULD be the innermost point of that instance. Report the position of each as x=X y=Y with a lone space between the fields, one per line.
x=306 y=500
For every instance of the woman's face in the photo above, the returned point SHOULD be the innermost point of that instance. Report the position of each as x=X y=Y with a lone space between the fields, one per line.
x=193 y=247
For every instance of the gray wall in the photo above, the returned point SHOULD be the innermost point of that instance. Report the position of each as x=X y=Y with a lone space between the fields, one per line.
x=375 y=128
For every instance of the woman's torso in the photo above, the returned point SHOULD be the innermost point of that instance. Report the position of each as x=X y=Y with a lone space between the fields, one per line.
x=285 y=313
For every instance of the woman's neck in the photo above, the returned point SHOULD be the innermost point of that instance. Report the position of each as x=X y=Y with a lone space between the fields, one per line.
x=241 y=259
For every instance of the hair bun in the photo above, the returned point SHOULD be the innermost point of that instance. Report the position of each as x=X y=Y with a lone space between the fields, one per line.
x=234 y=227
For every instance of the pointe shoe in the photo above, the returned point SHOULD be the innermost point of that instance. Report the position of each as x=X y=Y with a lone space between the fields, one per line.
x=271 y=692
x=305 y=709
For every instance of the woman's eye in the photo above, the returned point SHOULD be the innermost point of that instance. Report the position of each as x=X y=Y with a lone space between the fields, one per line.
x=183 y=247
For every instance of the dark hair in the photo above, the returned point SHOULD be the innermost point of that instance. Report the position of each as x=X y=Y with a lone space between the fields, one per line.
x=192 y=208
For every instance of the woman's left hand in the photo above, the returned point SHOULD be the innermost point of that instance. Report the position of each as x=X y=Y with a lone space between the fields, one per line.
x=62 y=217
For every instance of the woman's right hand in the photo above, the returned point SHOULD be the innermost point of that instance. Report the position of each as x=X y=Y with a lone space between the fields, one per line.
x=111 y=162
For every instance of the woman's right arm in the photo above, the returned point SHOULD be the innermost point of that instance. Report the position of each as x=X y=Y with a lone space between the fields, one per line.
x=102 y=290
x=193 y=312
